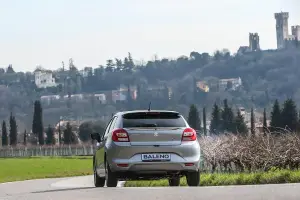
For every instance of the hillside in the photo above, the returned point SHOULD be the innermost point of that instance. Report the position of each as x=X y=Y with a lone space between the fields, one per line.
x=265 y=76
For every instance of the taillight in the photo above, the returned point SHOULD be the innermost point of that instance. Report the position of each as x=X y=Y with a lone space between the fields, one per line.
x=189 y=134
x=120 y=135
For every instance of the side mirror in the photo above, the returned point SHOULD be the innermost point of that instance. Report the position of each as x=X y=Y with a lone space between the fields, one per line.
x=96 y=136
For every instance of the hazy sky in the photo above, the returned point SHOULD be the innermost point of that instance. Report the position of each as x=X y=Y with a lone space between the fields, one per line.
x=47 y=32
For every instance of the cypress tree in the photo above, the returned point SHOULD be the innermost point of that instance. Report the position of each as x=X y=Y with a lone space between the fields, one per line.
x=252 y=122
x=204 y=121
x=194 y=119
x=275 y=116
x=25 y=138
x=13 y=131
x=215 y=122
x=50 y=136
x=4 y=134
x=69 y=137
x=227 y=118
x=240 y=125
x=37 y=123
x=265 y=125
x=289 y=115
x=298 y=124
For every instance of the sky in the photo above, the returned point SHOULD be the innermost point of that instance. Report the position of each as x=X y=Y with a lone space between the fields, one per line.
x=47 y=32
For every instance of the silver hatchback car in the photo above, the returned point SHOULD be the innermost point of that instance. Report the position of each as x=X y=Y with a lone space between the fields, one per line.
x=146 y=145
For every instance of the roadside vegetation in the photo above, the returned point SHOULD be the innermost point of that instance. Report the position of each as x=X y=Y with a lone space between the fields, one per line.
x=230 y=159
x=223 y=179
x=18 y=169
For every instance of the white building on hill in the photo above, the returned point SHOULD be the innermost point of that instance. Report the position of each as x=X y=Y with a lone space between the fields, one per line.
x=44 y=79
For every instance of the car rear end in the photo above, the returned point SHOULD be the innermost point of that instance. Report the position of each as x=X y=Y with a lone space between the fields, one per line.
x=155 y=144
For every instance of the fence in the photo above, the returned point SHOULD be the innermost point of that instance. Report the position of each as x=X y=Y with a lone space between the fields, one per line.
x=47 y=151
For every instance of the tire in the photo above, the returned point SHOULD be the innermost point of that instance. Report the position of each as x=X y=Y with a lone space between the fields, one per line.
x=174 y=181
x=111 y=178
x=193 y=179
x=98 y=181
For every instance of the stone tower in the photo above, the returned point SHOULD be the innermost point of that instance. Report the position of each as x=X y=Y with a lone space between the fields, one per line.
x=254 y=41
x=296 y=32
x=282 y=28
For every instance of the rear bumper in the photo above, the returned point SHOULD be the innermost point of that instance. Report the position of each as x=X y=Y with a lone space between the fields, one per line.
x=184 y=158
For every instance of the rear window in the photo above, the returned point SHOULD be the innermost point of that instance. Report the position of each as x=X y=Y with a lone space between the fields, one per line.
x=153 y=119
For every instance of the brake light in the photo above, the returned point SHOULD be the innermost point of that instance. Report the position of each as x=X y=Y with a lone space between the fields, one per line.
x=120 y=135
x=122 y=165
x=189 y=164
x=189 y=134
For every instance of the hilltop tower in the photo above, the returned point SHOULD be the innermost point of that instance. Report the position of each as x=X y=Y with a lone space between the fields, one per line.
x=254 y=41
x=282 y=28
x=296 y=32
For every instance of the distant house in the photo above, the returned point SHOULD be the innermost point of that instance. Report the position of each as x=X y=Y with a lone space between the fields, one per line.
x=118 y=96
x=133 y=91
x=158 y=91
x=232 y=83
x=49 y=99
x=202 y=86
x=75 y=97
x=44 y=79
x=100 y=98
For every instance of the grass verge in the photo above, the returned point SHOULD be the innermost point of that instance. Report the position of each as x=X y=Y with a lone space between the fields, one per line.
x=221 y=179
x=18 y=169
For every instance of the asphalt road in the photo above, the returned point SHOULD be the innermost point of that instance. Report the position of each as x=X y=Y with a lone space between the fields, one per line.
x=81 y=188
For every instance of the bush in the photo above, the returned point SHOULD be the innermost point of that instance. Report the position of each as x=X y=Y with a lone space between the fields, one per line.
x=238 y=153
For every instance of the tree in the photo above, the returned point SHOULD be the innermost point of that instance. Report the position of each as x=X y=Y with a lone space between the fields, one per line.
x=37 y=123
x=252 y=122
x=215 y=123
x=227 y=117
x=13 y=131
x=110 y=65
x=265 y=125
x=119 y=64
x=289 y=115
x=4 y=134
x=69 y=137
x=50 y=136
x=275 y=116
x=194 y=119
x=240 y=125
x=85 y=129
x=25 y=138
x=204 y=121
x=128 y=63
x=88 y=127
x=298 y=124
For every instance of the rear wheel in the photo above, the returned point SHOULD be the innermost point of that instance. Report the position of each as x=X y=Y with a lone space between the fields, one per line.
x=193 y=178
x=111 y=178
x=174 y=181
x=98 y=181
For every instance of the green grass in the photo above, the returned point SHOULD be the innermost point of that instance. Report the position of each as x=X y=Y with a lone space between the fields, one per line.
x=17 y=169
x=218 y=179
